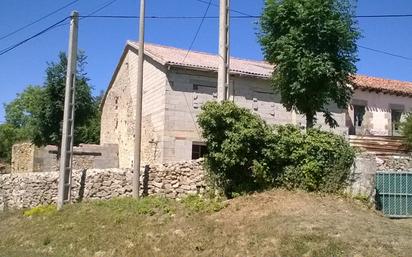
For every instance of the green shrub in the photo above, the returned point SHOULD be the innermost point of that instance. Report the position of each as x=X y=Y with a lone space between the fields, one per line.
x=318 y=161
x=406 y=129
x=40 y=210
x=235 y=138
x=199 y=204
x=246 y=154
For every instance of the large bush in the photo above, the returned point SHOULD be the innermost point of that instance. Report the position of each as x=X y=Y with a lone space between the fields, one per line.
x=235 y=138
x=246 y=154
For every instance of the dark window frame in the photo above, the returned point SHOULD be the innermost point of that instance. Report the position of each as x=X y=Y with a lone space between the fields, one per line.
x=199 y=149
x=358 y=118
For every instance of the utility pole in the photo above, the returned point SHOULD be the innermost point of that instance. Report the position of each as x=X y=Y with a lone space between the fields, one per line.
x=139 y=99
x=223 y=79
x=66 y=151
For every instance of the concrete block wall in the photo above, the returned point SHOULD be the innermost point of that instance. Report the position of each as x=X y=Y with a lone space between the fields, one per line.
x=29 y=158
x=118 y=112
x=188 y=90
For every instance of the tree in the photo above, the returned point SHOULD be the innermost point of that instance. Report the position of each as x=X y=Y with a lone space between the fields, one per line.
x=36 y=114
x=23 y=111
x=312 y=44
x=49 y=120
x=9 y=135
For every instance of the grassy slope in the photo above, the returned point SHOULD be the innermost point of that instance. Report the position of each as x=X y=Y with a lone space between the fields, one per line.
x=277 y=223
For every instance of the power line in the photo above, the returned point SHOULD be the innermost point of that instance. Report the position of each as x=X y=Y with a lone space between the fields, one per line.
x=61 y=22
x=355 y=16
x=105 y=5
x=38 y=20
x=232 y=10
x=384 y=52
x=168 y=17
x=384 y=16
x=8 y=49
x=198 y=30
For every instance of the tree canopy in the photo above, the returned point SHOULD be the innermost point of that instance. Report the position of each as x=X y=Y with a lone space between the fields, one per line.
x=312 y=44
x=36 y=114
x=50 y=116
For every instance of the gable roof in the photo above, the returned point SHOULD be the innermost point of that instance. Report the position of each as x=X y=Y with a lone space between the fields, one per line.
x=172 y=56
x=176 y=57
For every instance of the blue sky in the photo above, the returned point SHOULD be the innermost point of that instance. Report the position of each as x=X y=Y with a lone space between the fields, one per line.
x=103 y=40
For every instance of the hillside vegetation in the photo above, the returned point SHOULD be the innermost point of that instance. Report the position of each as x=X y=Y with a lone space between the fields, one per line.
x=275 y=223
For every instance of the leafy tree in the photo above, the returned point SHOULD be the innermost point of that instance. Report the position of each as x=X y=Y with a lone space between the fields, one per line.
x=36 y=114
x=23 y=111
x=49 y=120
x=9 y=135
x=312 y=44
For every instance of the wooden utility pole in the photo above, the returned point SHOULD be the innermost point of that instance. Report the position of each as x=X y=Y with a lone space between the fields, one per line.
x=224 y=55
x=139 y=99
x=66 y=151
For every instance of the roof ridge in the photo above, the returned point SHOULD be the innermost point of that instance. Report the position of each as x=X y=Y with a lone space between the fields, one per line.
x=203 y=52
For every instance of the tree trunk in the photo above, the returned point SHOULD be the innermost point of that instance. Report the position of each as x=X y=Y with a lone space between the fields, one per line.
x=310 y=120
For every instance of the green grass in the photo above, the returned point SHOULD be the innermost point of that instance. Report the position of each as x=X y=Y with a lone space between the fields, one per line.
x=278 y=223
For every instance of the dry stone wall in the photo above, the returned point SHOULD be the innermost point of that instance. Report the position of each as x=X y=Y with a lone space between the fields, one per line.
x=394 y=163
x=174 y=180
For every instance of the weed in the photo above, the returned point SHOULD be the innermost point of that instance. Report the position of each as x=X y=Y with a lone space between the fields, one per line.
x=198 y=204
x=40 y=210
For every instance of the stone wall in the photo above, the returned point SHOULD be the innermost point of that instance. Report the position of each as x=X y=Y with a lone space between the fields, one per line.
x=28 y=158
x=394 y=163
x=22 y=157
x=362 y=178
x=174 y=180
x=118 y=110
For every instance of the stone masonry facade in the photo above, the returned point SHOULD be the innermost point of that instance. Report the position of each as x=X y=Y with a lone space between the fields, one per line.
x=173 y=180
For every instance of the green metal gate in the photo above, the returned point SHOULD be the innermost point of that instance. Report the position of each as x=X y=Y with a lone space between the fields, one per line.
x=394 y=193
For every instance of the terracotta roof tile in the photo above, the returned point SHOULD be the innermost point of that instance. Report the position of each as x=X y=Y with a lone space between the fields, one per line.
x=176 y=56
x=206 y=61
x=383 y=85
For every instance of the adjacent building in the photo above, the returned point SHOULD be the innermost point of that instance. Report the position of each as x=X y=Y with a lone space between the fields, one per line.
x=176 y=86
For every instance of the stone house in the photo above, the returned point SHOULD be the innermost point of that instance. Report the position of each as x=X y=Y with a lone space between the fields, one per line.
x=175 y=87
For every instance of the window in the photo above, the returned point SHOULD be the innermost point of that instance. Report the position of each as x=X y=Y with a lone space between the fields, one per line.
x=198 y=150
x=359 y=113
x=396 y=120
x=116 y=103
